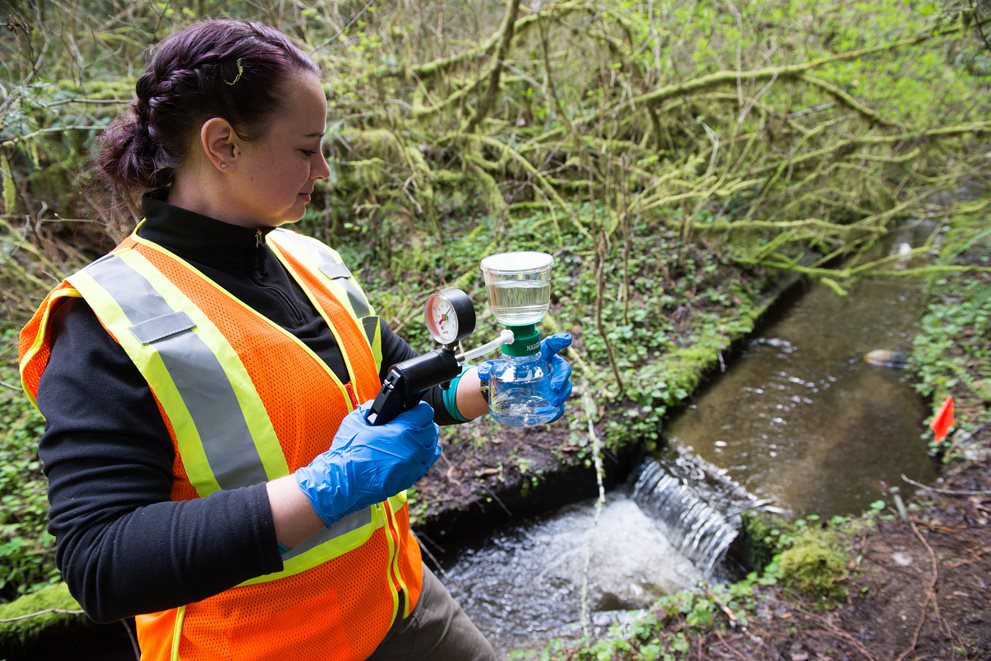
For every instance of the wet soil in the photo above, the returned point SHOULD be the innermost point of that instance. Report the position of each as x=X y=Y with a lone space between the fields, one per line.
x=918 y=590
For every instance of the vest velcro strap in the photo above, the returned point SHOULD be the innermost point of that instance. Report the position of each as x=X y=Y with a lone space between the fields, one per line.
x=159 y=328
x=335 y=270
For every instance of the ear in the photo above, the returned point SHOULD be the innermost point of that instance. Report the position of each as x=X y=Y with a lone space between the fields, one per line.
x=217 y=137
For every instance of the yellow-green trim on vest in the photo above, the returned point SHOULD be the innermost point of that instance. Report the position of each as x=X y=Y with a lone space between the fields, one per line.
x=223 y=432
x=345 y=535
x=180 y=619
x=39 y=339
x=325 y=263
x=251 y=311
x=373 y=331
x=320 y=258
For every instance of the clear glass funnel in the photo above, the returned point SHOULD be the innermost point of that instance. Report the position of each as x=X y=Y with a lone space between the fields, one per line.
x=519 y=285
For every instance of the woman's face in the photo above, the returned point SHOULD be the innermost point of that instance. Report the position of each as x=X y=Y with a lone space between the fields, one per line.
x=275 y=174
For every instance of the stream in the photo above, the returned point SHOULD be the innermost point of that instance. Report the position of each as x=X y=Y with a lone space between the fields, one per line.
x=799 y=422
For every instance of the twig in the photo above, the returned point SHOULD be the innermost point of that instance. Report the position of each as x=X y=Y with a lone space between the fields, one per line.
x=590 y=410
x=930 y=593
x=430 y=555
x=436 y=67
x=134 y=641
x=723 y=607
x=834 y=630
x=343 y=29
x=979 y=24
x=948 y=492
x=508 y=151
x=496 y=498
x=850 y=102
x=486 y=103
x=46 y=611
x=726 y=645
x=600 y=260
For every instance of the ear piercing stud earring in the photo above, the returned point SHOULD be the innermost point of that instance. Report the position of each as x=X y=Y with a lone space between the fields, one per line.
x=223 y=166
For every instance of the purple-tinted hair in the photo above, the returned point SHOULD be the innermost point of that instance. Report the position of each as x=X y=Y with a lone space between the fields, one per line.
x=221 y=67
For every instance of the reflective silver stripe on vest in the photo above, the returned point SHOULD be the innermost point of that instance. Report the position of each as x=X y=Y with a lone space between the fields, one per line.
x=348 y=523
x=371 y=326
x=159 y=328
x=324 y=260
x=335 y=270
x=198 y=376
x=343 y=277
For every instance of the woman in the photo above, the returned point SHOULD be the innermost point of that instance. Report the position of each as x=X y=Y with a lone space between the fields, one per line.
x=193 y=380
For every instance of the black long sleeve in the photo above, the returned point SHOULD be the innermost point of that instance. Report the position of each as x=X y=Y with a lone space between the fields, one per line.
x=123 y=547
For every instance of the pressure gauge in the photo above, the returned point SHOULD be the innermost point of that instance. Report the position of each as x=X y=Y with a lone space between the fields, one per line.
x=450 y=316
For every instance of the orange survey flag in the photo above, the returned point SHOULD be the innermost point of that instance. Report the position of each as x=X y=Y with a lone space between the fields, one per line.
x=943 y=420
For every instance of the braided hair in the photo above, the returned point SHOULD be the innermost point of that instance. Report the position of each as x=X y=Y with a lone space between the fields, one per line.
x=227 y=68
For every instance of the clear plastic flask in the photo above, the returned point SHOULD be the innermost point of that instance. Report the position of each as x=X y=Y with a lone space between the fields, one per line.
x=521 y=392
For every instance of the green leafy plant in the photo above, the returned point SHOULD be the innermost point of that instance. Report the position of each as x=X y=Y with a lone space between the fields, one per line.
x=26 y=548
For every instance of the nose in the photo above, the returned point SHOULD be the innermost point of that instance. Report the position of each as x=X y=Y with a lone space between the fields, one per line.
x=320 y=169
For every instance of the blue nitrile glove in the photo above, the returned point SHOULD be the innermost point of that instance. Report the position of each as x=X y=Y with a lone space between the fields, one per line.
x=560 y=368
x=366 y=464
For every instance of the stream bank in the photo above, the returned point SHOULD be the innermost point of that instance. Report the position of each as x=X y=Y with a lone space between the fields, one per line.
x=912 y=578
x=799 y=421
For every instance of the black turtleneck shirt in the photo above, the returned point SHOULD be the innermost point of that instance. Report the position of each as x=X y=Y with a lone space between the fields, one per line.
x=122 y=545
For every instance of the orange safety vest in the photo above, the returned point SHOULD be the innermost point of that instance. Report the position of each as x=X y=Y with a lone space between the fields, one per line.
x=246 y=402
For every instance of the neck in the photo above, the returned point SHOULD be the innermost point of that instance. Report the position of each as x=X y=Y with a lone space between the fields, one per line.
x=203 y=190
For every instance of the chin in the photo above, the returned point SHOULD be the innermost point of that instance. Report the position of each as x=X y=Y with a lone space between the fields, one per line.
x=293 y=216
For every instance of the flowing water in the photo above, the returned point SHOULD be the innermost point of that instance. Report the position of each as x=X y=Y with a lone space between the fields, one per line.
x=522 y=586
x=802 y=419
x=799 y=422
x=697 y=504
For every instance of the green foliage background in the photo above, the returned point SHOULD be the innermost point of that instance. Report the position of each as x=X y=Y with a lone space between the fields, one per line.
x=679 y=158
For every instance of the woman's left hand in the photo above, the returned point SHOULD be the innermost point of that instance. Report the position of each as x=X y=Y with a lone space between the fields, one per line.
x=550 y=347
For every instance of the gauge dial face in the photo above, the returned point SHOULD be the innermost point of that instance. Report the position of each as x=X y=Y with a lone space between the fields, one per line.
x=442 y=322
x=450 y=316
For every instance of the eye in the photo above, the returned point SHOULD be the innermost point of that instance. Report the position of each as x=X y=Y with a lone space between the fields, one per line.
x=308 y=152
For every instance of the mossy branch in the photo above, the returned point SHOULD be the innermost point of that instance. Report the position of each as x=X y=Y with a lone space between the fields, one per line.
x=720 y=78
x=488 y=100
x=436 y=67
x=759 y=225
x=541 y=180
x=848 y=101
x=849 y=144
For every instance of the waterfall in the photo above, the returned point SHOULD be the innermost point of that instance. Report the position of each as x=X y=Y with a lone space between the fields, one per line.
x=697 y=503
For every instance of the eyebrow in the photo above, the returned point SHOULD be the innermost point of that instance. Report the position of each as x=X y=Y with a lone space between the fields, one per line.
x=315 y=135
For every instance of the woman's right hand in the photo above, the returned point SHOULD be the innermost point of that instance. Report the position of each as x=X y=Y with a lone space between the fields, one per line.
x=367 y=464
